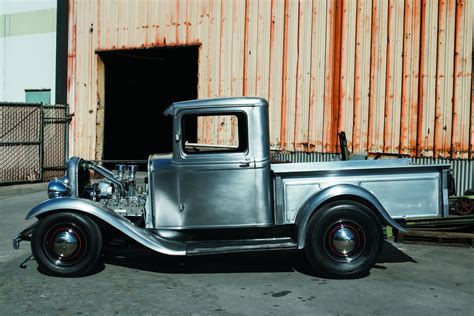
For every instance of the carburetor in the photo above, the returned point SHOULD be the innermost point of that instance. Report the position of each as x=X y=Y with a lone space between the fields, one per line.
x=121 y=192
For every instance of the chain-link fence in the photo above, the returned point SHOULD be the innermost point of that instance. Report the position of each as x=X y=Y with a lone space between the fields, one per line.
x=33 y=142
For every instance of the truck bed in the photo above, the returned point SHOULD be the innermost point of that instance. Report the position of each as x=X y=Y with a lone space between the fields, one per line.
x=404 y=190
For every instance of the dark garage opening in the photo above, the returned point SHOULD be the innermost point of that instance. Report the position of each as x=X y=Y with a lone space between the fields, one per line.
x=139 y=86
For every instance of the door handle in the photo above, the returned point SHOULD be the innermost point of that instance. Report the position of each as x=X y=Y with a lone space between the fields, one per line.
x=244 y=164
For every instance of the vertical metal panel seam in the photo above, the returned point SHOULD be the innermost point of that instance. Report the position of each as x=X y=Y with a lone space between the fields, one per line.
x=402 y=111
x=272 y=30
x=373 y=38
x=420 y=81
x=471 y=109
x=284 y=75
x=437 y=92
x=368 y=141
x=311 y=100
x=454 y=117
x=330 y=141
x=246 y=38
x=296 y=121
x=387 y=76
x=271 y=57
x=355 y=131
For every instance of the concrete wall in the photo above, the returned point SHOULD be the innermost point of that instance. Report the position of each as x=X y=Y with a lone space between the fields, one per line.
x=27 y=47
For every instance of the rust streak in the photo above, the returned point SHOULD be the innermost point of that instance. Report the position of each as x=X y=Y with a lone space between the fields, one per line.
x=98 y=23
x=415 y=80
x=438 y=123
x=471 y=137
x=331 y=108
x=419 y=134
x=297 y=121
x=246 y=53
x=455 y=139
x=221 y=41
x=328 y=79
x=272 y=107
x=357 y=92
x=220 y=133
x=234 y=52
x=188 y=22
x=405 y=75
x=177 y=22
x=311 y=87
x=373 y=61
x=343 y=62
x=209 y=60
x=272 y=46
x=147 y=24
x=284 y=77
x=336 y=104
x=386 y=125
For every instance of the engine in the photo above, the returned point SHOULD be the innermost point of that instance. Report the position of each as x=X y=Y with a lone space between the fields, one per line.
x=127 y=199
x=117 y=191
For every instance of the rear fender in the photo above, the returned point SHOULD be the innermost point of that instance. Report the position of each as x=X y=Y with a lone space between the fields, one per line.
x=119 y=222
x=345 y=191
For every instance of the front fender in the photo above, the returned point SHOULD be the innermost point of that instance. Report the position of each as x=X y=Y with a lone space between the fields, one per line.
x=344 y=191
x=138 y=234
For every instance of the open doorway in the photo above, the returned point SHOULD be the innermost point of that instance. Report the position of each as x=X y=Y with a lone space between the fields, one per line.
x=139 y=86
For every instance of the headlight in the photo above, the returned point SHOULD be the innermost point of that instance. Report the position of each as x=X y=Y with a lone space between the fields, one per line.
x=57 y=188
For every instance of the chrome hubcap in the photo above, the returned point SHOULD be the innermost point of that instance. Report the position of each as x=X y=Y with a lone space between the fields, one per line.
x=343 y=240
x=65 y=243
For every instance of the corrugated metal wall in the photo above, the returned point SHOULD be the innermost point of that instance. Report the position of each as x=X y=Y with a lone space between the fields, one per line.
x=395 y=75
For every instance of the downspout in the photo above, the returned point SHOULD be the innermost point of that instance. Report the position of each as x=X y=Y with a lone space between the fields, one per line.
x=61 y=51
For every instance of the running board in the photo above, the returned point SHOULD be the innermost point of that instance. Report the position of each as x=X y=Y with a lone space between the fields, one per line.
x=232 y=246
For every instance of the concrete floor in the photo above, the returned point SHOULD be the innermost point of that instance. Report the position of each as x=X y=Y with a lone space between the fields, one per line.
x=408 y=279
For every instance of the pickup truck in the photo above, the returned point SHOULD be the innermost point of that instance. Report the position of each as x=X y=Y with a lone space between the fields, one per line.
x=218 y=192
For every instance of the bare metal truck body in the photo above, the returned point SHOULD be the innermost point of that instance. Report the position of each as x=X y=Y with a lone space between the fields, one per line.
x=208 y=199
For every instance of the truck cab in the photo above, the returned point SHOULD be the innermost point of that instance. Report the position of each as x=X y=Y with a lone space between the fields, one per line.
x=233 y=165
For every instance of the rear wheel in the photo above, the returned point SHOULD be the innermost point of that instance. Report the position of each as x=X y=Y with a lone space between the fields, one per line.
x=66 y=244
x=464 y=206
x=344 y=239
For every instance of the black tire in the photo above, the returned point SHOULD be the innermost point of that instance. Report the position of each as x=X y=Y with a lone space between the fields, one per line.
x=344 y=239
x=66 y=244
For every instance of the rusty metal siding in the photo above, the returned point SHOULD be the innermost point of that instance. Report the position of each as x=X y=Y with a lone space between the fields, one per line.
x=393 y=80
x=427 y=85
x=348 y=40
x=318 y=67
x=362 y=76
x=396 y=75
x=411 y=62
x=377 y=75
x=444 y=77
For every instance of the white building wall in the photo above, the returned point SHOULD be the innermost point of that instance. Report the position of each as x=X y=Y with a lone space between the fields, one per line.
x=27 y=47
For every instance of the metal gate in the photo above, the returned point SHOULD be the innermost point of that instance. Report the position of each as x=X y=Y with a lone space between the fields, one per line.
x=33 y=142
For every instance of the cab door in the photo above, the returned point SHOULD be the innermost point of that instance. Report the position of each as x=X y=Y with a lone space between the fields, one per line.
x=216 y=170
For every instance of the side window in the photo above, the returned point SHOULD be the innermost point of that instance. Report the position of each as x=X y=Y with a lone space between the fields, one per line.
x=214 y=133
x=38 y=96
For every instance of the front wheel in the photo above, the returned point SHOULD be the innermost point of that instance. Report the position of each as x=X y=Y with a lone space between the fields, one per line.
x=66 y=244
x=344 y=239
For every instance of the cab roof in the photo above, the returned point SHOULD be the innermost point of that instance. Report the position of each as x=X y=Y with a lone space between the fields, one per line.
x=174 y=108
